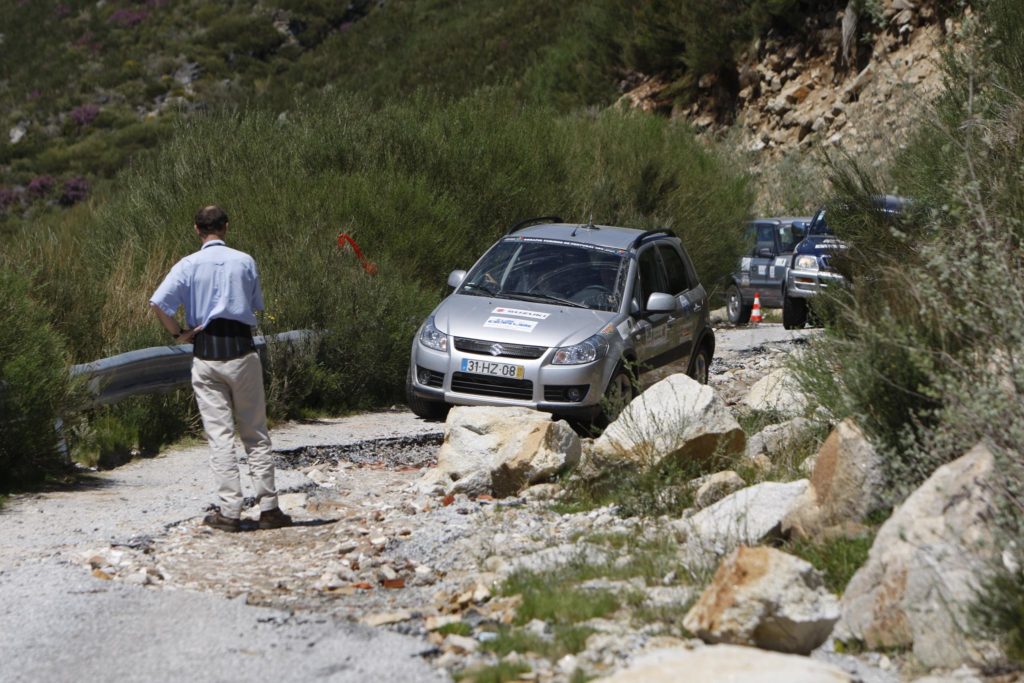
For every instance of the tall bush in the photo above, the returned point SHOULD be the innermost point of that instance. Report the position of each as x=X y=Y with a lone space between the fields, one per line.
x=927 y=349
x=34 y=385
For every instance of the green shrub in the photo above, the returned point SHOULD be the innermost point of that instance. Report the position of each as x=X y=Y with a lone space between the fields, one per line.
x=424 y=188
x=925 y=345
x=34 y=386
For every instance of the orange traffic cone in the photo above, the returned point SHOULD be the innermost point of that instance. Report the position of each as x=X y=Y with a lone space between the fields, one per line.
x=755 y=312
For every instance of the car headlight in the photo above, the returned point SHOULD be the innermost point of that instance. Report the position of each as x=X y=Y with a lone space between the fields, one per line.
x=806 y=262
x=586 y=351
x=433 y=338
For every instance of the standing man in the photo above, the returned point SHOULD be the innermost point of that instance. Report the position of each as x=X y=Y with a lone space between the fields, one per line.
x=220 y=288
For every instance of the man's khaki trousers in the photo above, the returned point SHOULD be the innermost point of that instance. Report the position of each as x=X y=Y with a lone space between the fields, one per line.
x=230 y=394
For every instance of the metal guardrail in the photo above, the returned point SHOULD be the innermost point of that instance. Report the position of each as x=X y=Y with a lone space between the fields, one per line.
x=154 y=370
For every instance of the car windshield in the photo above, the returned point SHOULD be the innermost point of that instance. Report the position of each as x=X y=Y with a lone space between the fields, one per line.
x=818 y=225
x=549 y=272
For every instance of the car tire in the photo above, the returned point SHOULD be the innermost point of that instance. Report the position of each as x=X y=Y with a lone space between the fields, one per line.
x=424 y=407
x=739 y=313
x=699 y=365
x=619 y=392
x=794 y=313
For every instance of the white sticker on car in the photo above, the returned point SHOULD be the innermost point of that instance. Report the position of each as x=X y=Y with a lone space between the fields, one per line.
x=745 y=263
x=513 y=324
x=761 y=270
x=781 y=261
x=771 y=272
x=522 y=313
x=625 y=328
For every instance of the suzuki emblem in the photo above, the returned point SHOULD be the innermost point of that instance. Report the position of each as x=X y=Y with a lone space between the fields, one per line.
x=497 y=349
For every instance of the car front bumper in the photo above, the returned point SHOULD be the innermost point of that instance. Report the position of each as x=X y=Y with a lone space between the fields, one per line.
x=543 y=387
x=803 y=284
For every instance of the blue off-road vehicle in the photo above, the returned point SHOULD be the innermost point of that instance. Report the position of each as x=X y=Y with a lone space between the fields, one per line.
x=811 y=269
x=763 y=268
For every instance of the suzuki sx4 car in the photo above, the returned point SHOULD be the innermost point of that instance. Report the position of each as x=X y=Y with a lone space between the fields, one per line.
x=565 y=318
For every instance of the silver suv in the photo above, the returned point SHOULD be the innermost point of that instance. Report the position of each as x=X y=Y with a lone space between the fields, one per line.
x=566 y=318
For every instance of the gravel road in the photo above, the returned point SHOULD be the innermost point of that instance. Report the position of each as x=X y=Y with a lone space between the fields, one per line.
x=61 y=624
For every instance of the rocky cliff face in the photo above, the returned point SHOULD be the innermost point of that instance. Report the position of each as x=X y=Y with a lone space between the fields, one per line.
x=805 y=93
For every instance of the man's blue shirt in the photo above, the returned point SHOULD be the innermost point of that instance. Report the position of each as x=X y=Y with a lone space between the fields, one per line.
x=215 y=282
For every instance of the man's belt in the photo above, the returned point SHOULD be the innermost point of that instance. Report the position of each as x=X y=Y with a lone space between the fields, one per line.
x=223 y=339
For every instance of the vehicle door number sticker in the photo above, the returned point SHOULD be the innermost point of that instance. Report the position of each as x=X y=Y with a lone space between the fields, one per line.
x=761 y=270
x=513 y=324
x=771 y=272
x=536 y=315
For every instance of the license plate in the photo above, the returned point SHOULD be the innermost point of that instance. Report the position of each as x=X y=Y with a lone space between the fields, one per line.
x=486 y=367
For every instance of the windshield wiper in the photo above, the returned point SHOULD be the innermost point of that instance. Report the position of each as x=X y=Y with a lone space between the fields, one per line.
x=483 y=288
x=536 y=296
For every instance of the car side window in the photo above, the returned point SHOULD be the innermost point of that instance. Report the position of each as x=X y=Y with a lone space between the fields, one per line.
x=675 y=270
x=649 y=272
x=766 y=237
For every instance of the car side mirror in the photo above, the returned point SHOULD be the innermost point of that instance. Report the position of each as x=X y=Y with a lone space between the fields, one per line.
x=660 y=302
x=456 y=277
x=765 y=252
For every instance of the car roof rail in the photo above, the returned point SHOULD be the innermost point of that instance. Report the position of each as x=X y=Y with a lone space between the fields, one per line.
x=649 y=233
x=533 y=221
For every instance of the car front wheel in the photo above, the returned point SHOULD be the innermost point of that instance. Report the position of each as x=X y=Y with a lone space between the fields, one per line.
x=699 y=365
x=424 y=407
x=617 y=396
x=739 y=314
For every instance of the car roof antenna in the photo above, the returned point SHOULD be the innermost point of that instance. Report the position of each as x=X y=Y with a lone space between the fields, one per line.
x=588 y=226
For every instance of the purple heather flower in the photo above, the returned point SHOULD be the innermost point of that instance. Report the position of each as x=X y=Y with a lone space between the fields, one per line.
x=85 y=114
x=62 y=10
x=75 y=190
x=8 y=198
x=40 y=186
x=127 y=18
x=34 y=95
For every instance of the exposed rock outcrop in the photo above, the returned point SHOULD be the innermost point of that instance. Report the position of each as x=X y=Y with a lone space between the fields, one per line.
x=765 y=598
x=726 y=663
x=501 y=451
x=847 y=483
x=677 y=418
x=777 y=391
x=924 y=567
x=746 y=517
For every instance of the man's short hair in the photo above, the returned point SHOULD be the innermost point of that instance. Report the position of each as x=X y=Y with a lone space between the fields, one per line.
x=211 y=219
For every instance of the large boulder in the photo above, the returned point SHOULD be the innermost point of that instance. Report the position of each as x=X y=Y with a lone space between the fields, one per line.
x=847 y=483
x=773 y=439
x=501 y=451
x=731 y=663
x=746 y=517
x=765 y=598
x=712 y=488
x=923 y=570
x=677 y=418
x=778 y=392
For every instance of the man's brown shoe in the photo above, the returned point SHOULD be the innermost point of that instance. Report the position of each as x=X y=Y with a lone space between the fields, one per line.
x=218 y=521
x=274 y=519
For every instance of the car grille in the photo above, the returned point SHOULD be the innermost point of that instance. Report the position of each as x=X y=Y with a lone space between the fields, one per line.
x=486 y=348
x=433 y=379
x=501 y=387
x=559 y=393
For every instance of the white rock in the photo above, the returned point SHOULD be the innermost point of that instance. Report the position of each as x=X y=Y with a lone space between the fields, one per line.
x=676 y=418
x=502 y=450
x=847 y=483
x=922 y=573
x=774 y=438
x=777 y=391
x=732 y=663
x=713 y=487
x=765 y=598
x=744 y=518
